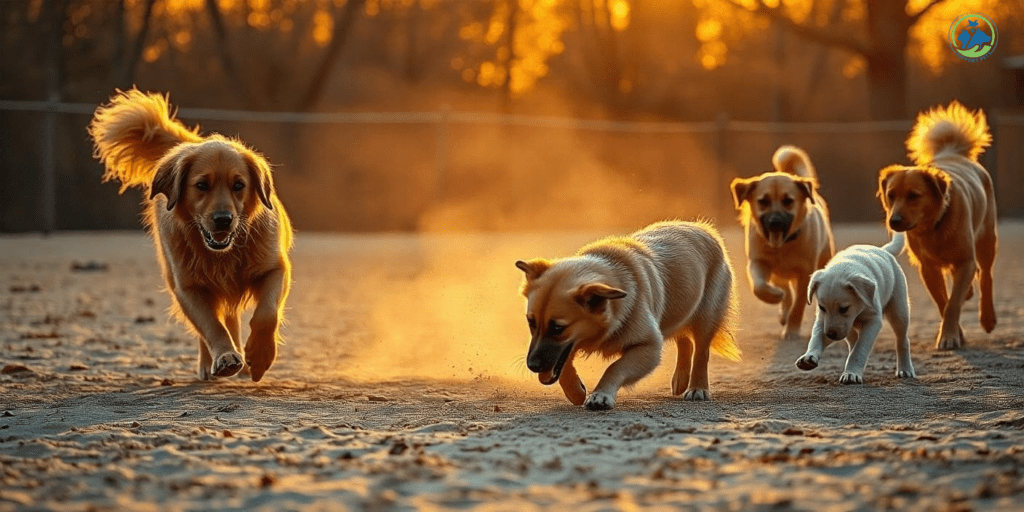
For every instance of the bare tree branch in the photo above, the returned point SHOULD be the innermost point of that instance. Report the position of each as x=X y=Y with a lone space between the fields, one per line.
x=224 y=52
x=127 y=77
x=342 y=24
x=924 y=10
x=806 y=31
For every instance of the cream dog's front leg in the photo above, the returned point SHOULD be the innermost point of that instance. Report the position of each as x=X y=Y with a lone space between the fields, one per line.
x=636 y=362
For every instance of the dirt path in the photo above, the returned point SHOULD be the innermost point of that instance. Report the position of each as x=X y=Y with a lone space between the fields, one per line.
x=402 y=386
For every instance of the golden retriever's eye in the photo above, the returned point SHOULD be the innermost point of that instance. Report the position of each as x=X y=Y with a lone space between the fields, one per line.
x=764 y=202
x=787 y=201
x=843 y=310
x=202 y=185
x=555 y=329
x=239 y=186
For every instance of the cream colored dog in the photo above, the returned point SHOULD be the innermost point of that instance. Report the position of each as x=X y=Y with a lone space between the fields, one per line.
x=861 y=284
x=625 y=296
x=788 y=235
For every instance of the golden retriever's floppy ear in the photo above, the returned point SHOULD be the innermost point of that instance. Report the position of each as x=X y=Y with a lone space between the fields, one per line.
x=594 y=296
x=170 y=177
x=864 y=288
x=812 y=287
x=883 y=181
x=939 y=181
x=807 y=185
x=259 y=170
x=533 y=268
x=741 y=189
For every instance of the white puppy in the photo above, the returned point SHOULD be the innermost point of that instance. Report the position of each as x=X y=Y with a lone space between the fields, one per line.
x=860 y=285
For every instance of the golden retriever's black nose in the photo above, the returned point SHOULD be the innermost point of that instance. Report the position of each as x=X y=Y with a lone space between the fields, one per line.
x=222 y=220
x=895 y=221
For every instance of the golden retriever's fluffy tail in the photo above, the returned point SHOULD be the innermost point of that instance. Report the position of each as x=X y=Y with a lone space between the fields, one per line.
x=948 y=130
x=793 y=160
x=132 y=133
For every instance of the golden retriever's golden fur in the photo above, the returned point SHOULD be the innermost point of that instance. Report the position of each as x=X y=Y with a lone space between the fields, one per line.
x=625 y=296
x=788 y=233
x=946 y=205
x=222 y=235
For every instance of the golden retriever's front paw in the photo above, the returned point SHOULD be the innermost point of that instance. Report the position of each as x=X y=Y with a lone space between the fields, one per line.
x=204 y=371
x=770 y=294
x=598 y=401
x=259 y=357
x=850 y=378
x=807 y=362
x=697 y=395
x=227 y=364
x=950 y=341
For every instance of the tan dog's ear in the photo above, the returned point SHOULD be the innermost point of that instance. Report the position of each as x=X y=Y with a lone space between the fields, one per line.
x=594 y=296
x=807 y=185
x=741 y=189
x=170 y=177
x=883 y=181
x=939 y=181
x=533 y=268
x=864 y=288
x=812 y=287
x=259 y=170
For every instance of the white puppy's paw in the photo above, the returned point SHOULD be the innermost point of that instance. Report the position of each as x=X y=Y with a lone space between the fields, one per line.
x=906 y=373
x=807 y=362
x=850 y=378
x=598 y=401
x=697 y=395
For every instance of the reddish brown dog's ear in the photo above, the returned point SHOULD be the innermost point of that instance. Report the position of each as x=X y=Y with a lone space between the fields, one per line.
x=259 y=170
x=807 y=185
x=741 y=189
x=170 y=178
x=533 y=268
x=883 y=181
x=594 y=296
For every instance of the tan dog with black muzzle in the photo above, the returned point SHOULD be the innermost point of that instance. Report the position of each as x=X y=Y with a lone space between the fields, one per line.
x=625 y=296
x=788 y=235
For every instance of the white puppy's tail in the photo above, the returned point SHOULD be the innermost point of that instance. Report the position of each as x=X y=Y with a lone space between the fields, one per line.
x=948 y=131
x=793 y=160
x=896 y=245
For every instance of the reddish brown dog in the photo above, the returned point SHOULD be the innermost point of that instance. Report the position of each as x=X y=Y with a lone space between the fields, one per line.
x=945 y=204
x=221 y=234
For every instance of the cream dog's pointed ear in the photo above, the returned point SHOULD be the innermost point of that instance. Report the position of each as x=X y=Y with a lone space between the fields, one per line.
x=741 y=189
x=863 y=287
x=533 y=268
x=812 y=287
x=807 y=185
x=594 y=296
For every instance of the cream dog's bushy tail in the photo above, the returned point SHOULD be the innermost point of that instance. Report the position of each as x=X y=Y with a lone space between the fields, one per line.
x=948 y=130
x=132 y=133
x=896 y=245
x=793 y=160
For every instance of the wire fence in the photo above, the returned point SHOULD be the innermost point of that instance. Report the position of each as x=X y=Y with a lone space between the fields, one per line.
x=465 y=170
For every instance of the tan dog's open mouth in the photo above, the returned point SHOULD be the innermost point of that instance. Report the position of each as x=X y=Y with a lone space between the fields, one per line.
x=219 y=240
x=551 y=376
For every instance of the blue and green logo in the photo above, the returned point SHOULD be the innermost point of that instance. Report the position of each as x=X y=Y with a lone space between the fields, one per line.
x=973 y=37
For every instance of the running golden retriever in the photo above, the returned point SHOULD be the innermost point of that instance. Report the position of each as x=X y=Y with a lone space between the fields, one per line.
x=222 y=235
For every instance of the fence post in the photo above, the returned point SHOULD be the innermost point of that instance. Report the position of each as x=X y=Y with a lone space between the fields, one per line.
x=49 y=195
x=721 y=129
x=441 y=154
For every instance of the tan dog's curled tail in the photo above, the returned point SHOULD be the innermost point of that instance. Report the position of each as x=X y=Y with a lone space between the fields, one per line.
x=948 y=130
x=725 y=346
x=793 y=160
x=132 y=133
x=896 y=245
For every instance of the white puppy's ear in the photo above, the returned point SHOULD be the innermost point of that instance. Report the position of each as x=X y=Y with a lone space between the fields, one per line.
x=812 y=287
x=864 y=288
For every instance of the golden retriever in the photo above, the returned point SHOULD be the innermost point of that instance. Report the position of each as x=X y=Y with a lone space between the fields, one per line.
x=222 y=236
x=625 y=296
x=788 y=234
x=946 y=205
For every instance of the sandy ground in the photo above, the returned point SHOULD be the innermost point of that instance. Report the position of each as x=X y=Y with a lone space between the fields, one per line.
x=402 y=386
